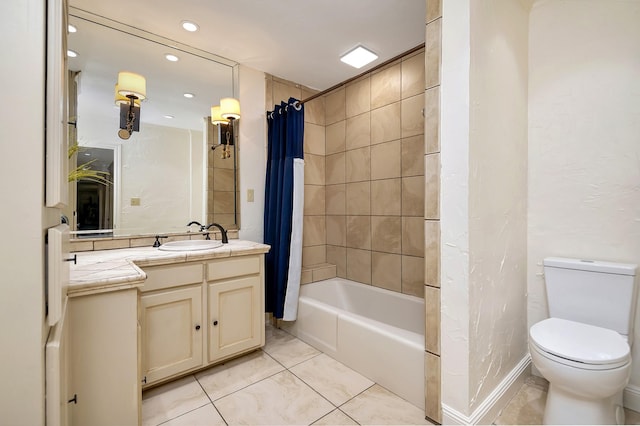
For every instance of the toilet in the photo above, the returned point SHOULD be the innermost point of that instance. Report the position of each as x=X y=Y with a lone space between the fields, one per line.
x=583 y=349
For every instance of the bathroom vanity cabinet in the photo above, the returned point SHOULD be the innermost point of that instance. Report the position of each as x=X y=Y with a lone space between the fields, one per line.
x=139 y=317
x=200 y=313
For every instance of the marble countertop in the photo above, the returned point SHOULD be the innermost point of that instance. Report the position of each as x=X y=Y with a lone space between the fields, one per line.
x=109 y=270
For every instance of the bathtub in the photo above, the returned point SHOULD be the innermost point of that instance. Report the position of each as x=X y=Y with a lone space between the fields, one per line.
x=379 y=333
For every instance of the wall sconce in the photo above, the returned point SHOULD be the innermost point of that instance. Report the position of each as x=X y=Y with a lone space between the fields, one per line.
x=119 y=99
x=130 y=91
x=224 y=115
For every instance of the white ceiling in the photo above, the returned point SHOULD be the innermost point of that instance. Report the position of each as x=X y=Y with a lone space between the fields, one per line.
x=296 y=40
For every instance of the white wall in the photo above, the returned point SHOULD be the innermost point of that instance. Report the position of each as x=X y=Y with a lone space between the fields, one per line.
x=497 y=193
x=483 y=202
x=454 y=204
x=157 y=167
x=252 y=152
x=23 y=330
x=584 y=138
x=163 y=166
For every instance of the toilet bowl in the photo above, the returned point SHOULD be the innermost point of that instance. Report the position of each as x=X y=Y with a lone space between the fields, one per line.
x=587 y=368
x=583 y=349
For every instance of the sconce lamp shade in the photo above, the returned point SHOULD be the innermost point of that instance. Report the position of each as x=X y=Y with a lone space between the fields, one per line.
x=230 y=108
x=132 y=84
x=120 y=99
x=216 y=118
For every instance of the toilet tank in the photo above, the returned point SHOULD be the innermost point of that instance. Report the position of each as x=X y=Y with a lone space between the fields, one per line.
x=592 y=292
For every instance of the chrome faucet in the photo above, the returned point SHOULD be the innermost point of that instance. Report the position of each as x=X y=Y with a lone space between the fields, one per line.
x=225 y=239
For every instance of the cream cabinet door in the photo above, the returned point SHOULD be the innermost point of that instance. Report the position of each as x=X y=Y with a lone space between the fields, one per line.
x=171 y=332
x=103 y=359
x=234 y=317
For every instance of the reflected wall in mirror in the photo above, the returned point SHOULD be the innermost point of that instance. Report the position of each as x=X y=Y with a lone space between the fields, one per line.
x=167 y=174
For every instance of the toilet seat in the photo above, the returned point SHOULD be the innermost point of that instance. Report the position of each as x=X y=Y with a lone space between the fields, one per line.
x=579 y=345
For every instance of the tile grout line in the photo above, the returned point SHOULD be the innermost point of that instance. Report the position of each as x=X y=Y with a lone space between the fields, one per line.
x=244 y=387
x=335 y=407
x=209 y=397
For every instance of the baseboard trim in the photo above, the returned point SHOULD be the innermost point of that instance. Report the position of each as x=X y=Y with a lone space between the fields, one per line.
x=489 y=409
x=631 y=397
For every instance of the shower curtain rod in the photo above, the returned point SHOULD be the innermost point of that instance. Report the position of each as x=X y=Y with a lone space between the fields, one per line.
x=377 y=67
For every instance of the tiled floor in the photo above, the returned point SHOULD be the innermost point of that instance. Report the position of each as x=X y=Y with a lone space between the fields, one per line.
x=527 y=406
x=286 y=383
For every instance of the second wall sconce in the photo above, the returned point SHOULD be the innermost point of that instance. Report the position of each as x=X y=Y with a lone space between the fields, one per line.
x=224 y=115
x=131 y=89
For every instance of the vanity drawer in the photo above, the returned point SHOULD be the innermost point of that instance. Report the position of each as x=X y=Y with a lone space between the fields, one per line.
x=172 y=276
x=229 y=268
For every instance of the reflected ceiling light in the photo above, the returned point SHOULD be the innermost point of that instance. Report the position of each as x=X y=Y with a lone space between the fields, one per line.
x=190 y=26
x=168 y=116
x=72 y=28
x=358 y=57
x=189 y=95
x=71 y=53
x=134 y=87
x=171 y=58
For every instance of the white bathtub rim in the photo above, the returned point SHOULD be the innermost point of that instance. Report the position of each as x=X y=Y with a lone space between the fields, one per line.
x=369 y=287
x=416 y=302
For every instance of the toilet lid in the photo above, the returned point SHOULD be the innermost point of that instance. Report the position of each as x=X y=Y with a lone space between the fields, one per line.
x=579 y=342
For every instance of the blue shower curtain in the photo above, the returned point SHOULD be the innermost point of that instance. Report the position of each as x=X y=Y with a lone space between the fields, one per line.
x=283 y=208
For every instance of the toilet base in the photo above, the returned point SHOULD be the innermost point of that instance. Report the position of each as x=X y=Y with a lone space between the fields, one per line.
x=565 y=408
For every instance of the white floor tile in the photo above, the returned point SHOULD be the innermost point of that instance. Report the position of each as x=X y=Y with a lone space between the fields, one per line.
x=171 y=400
x=234 y=375
x=287 y=349
x=282 y=399
x=333 y=380
x=206 y=415
x=378 y=406
x=336 y=417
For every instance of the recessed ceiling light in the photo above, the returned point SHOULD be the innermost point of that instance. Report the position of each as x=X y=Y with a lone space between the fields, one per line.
x=168 y=116
x=189 y=95
x=71 y=54
x=190 y=26
x=170 y=57
x=358 y=57
x=72 y=29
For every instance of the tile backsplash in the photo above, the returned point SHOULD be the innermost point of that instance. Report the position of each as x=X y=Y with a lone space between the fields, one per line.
x=109 y=243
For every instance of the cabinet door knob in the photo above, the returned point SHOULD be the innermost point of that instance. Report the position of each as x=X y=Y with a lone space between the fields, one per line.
x=197 y=327
x=215 y=322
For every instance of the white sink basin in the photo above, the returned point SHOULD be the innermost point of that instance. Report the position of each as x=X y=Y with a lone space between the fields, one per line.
x=189 y=245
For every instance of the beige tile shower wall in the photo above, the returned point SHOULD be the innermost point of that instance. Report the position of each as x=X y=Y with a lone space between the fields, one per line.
x=374 y=174
x=314 y=235
x=433 y=54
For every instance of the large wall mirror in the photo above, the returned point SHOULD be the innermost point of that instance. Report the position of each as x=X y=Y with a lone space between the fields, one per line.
x=169 y=172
